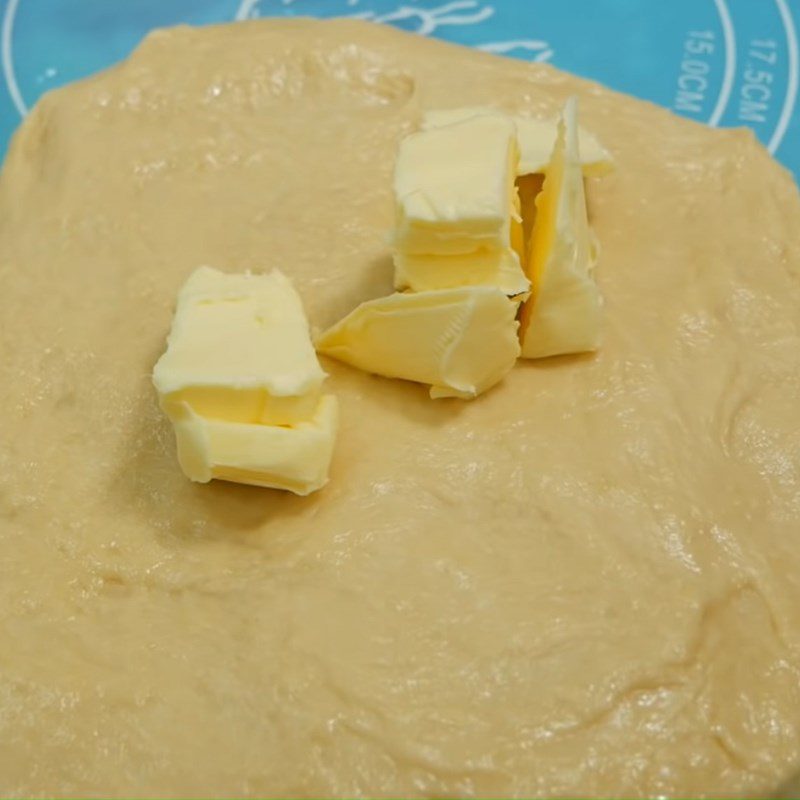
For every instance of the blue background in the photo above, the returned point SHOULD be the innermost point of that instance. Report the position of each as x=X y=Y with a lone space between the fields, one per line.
x=723 y=62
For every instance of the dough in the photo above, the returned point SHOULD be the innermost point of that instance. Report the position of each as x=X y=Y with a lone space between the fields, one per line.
x=583 y=583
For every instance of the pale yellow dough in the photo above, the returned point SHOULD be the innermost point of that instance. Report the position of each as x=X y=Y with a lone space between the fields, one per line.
x=585 y=582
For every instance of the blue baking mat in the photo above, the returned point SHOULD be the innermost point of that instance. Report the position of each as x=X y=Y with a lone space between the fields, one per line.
x=723 y=62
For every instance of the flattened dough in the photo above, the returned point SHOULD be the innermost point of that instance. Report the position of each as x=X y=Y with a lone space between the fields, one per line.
x=584 y=582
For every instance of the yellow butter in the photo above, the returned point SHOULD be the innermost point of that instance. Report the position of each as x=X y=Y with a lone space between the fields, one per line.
x=239 y=350
x=536 y=140
x=500 y=268
x=459 y=341
x=454 y=187
x=563 y=313
x=241 y=382
x=295 y=458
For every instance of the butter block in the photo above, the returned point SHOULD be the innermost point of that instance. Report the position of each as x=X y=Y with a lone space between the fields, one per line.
x=459 y=341
x=239 y=350
x=536 y=139
x=296 y=458
x=563 y=313
x=500 y=268
x=241 y=383
x=454 y=187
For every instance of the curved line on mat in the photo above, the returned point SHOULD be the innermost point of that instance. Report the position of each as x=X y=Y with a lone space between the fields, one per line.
x=794 y=77
x=730 y=63
x=8 y=60
x=245 y=7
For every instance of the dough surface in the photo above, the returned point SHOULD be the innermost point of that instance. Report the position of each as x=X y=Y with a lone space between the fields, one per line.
x=585 y=582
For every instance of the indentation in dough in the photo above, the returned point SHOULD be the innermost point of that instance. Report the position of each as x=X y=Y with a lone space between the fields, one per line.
x=114 y=584
x=365 y=76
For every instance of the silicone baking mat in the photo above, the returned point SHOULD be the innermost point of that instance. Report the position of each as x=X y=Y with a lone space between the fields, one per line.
x=722 y=62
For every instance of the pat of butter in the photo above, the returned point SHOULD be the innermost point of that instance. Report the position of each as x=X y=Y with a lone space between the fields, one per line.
x=295 y=458
x=454 y=188
x=536 y=140
x=460 y=341
x=240 y=381
x=563 y=313
x=239 y=350
x=500 y=268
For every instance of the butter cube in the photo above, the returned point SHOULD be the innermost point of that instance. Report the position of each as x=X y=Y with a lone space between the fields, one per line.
x=459 y=341
x=239 y=350
x=500 y=268
x=563 y=313
x=241 y=382
x=296 y=458
x=454 y=187
x=536 y=139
